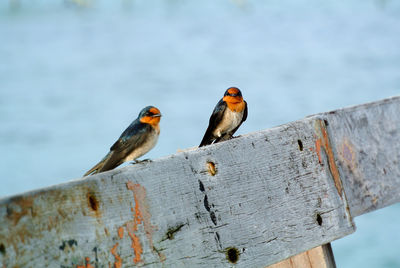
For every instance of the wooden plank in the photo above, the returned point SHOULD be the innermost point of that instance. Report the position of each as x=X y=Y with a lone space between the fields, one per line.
x=368 y=164
x=365 y=141
x=251 y=201
x=321 y=257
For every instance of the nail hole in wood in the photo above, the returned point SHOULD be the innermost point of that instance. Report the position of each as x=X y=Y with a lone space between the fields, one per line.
x=232 y=255
x=93 y=203
x=319 y=219
x=326 y=122
x=300 y=145
x=211 y=168
x=2 y=249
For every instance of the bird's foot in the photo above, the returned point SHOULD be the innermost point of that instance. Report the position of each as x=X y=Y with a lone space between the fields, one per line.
x=141 y=161
x=227 y=137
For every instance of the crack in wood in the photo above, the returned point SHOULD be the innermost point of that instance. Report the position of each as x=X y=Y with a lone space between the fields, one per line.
x=170 y=234
x=323 y=141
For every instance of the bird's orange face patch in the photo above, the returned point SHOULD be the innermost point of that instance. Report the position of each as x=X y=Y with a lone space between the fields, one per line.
x=234 y=99
x=152 y=117
x=231 y=99
x=236 y=106
x=150 y=120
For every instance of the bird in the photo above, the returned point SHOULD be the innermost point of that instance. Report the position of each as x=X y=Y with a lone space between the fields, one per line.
x=229 y=113
x=139 y=138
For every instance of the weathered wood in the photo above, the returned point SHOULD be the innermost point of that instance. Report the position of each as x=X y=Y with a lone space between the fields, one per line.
x=365 y=140
x=360 y=175
x=320 y=257
x=252 y=201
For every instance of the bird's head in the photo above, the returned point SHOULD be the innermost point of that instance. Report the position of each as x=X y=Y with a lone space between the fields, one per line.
x=233 y=95
x=150 y=115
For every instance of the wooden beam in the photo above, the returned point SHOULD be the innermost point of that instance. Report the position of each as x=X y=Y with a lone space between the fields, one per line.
x=368 y=164
x=365 y=142
x=251 y=201
x=321 y=257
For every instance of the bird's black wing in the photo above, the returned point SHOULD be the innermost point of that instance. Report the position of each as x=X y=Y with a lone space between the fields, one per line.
x=134 y=136
x=215 y=118
x=245 y=112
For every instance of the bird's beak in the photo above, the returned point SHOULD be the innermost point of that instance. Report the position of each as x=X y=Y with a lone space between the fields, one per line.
x=157 y=115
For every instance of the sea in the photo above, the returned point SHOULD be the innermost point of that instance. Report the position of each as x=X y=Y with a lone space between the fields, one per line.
x=75 y=73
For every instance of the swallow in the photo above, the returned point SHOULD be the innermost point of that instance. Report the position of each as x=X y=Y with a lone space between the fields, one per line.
x=229 y=113
x=139 y=138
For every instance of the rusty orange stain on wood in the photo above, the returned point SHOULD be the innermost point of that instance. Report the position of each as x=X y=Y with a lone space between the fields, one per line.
x=18 y=208
x=141 y=216
x=137 y=247
x=323 y=141
x=87 y=264
x=118 y=260
x=22 y=210
x=24 y=206
x=318 y=149
x=121 y=232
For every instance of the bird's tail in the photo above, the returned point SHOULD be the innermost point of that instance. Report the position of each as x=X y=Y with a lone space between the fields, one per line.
x=207 y=139
x=97 y=168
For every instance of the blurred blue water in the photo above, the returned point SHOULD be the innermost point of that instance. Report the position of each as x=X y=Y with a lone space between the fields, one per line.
x=73 y=76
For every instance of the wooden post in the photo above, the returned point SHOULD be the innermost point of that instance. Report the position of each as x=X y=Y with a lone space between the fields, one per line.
x=249 y=202
x=321 y=257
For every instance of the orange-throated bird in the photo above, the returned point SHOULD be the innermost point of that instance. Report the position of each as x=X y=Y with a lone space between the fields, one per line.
x=139 y=138
x=228 y=115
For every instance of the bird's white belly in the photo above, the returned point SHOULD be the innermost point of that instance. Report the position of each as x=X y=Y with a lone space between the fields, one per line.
x=229 y=122
x=147 y=146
